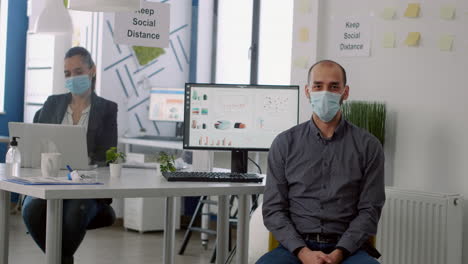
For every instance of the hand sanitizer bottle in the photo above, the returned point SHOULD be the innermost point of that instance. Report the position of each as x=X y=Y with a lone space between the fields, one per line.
x=13 y=159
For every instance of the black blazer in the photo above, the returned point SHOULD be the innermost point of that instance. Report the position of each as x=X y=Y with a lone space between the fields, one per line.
x=102 y=124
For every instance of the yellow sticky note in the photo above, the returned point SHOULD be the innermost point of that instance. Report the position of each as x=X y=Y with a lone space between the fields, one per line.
x=304 y=6
x=303 y=34
x=412 y=39
x=447 y=12
x=446 y=42
x=301 y=62
x=389 y=40
x=412 y=10
x=388 y=13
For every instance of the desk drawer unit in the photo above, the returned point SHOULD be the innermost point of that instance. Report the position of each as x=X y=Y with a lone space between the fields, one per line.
x=147 y=214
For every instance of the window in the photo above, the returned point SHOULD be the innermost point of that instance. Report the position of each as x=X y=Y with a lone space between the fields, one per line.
x=233 y=43
x=275 y=42
x=235 y=25
x=3 y=39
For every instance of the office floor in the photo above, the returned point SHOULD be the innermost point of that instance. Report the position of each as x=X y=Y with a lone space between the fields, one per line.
x=111 y=245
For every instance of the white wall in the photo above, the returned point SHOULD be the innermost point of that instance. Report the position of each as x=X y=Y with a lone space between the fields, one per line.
x=424 y=88
x=140 y=79
x=163 y=72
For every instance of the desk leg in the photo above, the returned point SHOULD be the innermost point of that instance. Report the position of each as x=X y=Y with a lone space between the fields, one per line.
x=222 y=229
x=243 y=229
x=54 y=231
x=4 y=225
x=169 y=231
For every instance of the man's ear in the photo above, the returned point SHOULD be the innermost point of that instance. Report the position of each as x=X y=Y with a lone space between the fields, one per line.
x=346 y=93
x=307 y=91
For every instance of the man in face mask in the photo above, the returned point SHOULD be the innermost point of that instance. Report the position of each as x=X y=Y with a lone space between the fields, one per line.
x=326 y=90
x=325 y=182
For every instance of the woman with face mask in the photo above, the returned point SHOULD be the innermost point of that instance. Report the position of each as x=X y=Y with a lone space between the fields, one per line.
x=81 y=106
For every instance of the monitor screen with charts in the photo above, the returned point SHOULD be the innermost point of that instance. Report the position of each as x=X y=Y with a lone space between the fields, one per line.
x=238 y=117
x=167 y=104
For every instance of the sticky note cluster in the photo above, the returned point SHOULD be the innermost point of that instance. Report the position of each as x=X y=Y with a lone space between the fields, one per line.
x=304 y=34
x=412 y=40
x=447 y=12
x=301 y=62
x=388 y=13
x=304 y=6
x=412 y=11
x=446 y=42
x=389 y=40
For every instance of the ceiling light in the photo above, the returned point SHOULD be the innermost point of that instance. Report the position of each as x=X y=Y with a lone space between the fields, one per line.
x=54 y=18
x=104 y=5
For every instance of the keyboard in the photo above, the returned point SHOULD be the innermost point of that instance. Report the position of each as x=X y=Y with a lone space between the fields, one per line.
x=165 y=138
x=211 y=176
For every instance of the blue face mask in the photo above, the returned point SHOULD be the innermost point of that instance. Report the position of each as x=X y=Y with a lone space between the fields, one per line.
x=325 y=104
x=78 y=84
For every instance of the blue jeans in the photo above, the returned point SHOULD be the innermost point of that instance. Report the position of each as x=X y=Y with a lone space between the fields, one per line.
x=77 y=214
x=283 y=256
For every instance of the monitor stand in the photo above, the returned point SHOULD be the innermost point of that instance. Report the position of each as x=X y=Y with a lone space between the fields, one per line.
x=239 y=160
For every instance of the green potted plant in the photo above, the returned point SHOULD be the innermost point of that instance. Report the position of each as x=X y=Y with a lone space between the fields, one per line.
x=166 y=162
x=115 y=158
x=371 y=116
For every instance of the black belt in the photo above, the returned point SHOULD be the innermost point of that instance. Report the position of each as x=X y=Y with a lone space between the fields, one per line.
x=322 y=237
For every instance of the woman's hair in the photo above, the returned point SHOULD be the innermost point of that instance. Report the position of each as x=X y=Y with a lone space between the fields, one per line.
x=86 y=58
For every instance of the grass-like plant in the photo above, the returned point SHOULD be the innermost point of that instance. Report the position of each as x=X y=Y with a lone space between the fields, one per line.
x=371 y=116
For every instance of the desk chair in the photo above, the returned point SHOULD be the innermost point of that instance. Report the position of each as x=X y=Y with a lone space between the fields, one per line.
x=104 y=218
x=36 y=116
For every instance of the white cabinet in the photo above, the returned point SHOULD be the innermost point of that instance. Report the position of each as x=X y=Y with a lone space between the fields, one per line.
x=147 y=214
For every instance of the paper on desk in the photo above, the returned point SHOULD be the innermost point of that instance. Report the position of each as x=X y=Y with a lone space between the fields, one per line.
x=412 y=39
x=446 y=42
x=447 y=12
x=389 y=40
x=412 y=10
x=49 y=181
x=388 y=13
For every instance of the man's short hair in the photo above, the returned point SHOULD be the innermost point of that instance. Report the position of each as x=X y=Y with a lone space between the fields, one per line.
x=328 y=61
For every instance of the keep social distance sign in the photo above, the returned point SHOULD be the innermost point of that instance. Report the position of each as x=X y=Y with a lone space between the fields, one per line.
x=147 y=26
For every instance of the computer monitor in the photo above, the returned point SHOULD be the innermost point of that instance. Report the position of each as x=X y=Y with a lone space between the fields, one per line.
x=238 y=118
x=167 y=104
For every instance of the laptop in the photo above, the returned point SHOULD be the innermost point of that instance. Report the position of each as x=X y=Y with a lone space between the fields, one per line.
x=35 y=139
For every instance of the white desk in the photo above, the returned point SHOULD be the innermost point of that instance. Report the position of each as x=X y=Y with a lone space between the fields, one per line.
x=133 y=183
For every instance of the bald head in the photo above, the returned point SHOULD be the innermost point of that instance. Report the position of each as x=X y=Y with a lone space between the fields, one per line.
x=328 y=63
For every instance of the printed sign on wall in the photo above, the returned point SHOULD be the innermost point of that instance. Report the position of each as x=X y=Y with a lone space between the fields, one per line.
x=148 y=26
x=352 y=37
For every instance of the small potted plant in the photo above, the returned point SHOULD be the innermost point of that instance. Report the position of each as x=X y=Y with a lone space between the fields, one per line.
x=115 y=159
x=166 y=162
